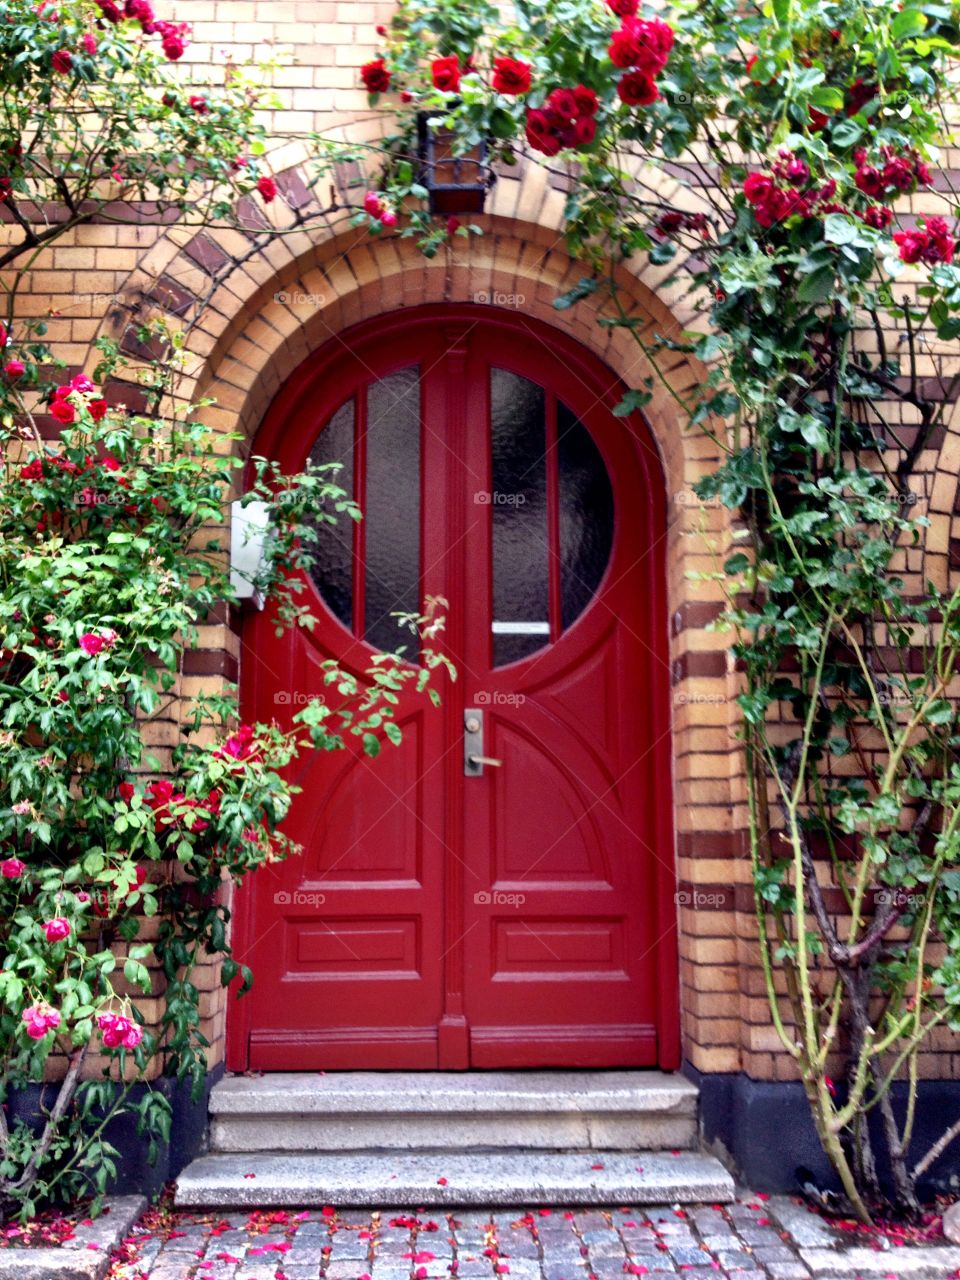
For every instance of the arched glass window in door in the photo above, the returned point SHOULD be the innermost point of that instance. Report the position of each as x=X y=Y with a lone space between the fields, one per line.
x=552 y=516
x=367 y=572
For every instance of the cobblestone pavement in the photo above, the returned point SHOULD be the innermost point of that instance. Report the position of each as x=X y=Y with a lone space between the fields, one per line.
x=756 y=1238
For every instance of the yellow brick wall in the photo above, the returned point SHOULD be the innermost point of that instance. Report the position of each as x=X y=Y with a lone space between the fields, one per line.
x=251 y=324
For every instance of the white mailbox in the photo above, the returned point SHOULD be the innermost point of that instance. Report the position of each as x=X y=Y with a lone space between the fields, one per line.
x=249 y=531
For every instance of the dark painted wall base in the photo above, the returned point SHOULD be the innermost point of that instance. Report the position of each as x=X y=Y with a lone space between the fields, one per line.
x=765 y=1130
x=134 y=1173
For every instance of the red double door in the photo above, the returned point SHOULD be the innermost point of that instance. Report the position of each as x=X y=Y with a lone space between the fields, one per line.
x=447 y=913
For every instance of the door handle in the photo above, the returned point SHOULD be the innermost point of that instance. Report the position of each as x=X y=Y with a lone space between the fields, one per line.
x=473 y=757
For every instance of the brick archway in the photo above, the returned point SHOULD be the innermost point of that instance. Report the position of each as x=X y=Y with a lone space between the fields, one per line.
x=268 y=308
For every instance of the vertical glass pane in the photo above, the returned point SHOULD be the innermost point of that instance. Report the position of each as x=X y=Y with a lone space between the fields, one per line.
x=392 y=506
x=521 y=589
x=333 y=571
x=586 y=515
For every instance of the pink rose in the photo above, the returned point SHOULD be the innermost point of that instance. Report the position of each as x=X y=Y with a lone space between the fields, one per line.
x=57 y=929
x=118 y=1032
x=14 y=369
x=12 y=868
x=40 y=1018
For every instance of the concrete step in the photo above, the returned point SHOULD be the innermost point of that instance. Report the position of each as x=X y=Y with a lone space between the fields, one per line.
x=524 y=1110
x=445 y=1178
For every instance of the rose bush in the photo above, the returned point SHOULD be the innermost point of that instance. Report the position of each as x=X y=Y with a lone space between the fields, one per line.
x=105 y=574
x=791 y=134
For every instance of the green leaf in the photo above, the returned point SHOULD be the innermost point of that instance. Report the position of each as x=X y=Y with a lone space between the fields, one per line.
x=818 y=286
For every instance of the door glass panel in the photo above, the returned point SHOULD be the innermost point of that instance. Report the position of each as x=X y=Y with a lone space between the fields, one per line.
x=391 y=508
x=518 y=500
x=333 y=570
x=586 y=515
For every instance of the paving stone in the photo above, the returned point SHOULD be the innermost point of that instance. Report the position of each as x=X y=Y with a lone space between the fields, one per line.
x=787 y=1270
x=929 y=1263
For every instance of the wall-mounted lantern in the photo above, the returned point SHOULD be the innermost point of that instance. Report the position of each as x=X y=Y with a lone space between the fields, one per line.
x=249 y=531
x=456 y=183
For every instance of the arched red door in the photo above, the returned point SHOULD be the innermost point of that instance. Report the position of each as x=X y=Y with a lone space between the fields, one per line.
x=446 y=914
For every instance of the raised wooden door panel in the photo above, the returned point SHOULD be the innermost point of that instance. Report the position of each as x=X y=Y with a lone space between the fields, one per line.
x=522 y=917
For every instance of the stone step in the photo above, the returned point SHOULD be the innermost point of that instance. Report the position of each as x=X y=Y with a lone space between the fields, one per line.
x=484 y=1179
x=525 y=1110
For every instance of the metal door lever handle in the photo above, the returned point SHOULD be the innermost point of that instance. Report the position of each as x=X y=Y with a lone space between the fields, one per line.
x=481 y=760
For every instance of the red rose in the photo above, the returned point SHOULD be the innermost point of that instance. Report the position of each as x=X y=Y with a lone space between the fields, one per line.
x=624 y=8
x=375 y=76
x=199 y=104
x=642 y=44
x=878 y=217
x=62 y=61
x=267 y=188
x=584 y=131
x=453 y=226
x=446 y=73
x=64 y=412
x=624 y=47
x=14 y=369
x=4 y=336
x=174 y=45
x=538 y=123
x=757 y=186
x=511 y=76
x=12 y=868
x=586 y=100
x=563 y=103
x=110 y=10
x=126 y=790
x=636 y=89
x=870 y=181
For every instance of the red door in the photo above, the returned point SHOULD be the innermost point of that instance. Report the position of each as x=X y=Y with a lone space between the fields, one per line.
x=447 y=912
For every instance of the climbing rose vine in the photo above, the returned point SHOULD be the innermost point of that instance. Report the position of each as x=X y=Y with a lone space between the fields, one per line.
x=763 y=157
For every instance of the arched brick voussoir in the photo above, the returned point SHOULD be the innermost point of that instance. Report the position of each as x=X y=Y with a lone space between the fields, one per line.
x=350 y=277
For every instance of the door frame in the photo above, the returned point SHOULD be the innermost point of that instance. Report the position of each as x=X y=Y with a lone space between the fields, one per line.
x=325 y=366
